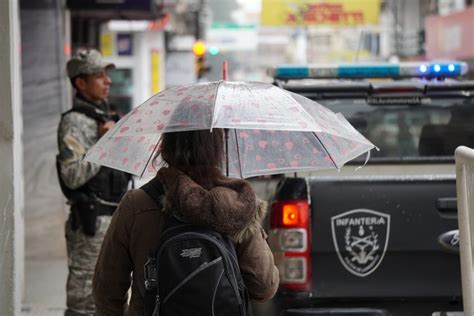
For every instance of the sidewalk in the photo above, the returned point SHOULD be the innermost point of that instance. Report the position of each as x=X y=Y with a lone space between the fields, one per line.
x=45 y=287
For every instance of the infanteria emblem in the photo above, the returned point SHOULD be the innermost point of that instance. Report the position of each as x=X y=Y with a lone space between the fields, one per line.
x=361 y=239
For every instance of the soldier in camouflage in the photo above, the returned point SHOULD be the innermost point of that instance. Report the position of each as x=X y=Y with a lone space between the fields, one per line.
x=92 y=191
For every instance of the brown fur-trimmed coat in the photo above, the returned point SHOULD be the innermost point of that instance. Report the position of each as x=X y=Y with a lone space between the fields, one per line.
x=230 y=207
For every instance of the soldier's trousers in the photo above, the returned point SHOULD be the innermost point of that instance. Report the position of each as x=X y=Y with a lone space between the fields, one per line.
x=82 y=253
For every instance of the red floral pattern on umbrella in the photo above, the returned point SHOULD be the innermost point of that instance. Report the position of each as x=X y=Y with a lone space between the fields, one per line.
x=270 y=130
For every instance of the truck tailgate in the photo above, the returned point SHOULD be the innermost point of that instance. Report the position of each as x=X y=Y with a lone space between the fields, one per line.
x=379 y=237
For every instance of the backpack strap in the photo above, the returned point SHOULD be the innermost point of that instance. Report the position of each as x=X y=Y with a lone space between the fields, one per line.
x=155 y=190
x=89 y=112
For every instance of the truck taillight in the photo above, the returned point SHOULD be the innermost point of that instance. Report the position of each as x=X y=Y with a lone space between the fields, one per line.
x=290 y=240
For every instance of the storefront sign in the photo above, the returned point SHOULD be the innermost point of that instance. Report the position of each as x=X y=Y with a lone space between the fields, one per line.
x=322 y=12
x=106 y=44
x=124 y=44
x=232 y=37
x=155 y=71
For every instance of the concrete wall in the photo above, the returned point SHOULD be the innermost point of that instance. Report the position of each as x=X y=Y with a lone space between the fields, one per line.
x=11 y=193
x=44 y=98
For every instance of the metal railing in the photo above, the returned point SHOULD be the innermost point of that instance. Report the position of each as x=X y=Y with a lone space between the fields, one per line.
x=465 y=199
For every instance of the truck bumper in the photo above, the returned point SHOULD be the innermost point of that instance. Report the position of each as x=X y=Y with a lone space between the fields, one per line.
x=304 y=305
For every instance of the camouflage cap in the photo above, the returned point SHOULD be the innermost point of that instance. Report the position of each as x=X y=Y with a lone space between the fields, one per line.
x=86 y=62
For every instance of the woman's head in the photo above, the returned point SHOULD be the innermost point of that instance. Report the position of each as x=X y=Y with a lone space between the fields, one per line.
x=197 y=153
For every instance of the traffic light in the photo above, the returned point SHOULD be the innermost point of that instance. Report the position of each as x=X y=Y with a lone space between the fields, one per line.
x=199 y=50
x=201 y=67
x=213 y=51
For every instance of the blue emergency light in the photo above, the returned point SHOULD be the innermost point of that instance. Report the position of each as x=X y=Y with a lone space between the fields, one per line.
x=388 y=70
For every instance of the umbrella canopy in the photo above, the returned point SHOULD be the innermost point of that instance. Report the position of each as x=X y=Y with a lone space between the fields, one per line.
x=270 y=130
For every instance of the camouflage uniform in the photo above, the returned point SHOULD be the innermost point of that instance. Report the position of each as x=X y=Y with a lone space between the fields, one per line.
x=83 y=251
x=77 y=133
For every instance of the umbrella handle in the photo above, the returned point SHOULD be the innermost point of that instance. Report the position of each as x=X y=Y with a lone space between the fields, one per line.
x=226 y=133
x=226 y=130
x=224 y=70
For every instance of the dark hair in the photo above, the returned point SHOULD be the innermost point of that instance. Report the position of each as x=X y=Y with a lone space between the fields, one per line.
x=199 y=153
x=81 y=76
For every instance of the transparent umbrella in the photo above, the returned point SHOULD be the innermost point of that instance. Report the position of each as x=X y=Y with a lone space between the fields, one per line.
x=269 y=130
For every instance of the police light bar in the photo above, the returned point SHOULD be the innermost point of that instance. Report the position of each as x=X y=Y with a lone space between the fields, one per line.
x=351 y=71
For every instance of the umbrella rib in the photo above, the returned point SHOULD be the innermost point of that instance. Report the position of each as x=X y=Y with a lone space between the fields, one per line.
x=214 y=107
x=303 y=108
x=238 y=152
x=117 y=125
x=327 y=151
x=149 y=158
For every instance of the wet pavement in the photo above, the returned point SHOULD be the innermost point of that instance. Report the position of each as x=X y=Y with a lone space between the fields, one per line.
x=45 y=287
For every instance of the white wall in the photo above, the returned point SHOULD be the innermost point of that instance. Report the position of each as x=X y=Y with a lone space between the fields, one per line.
x=140 y=62
x=410 y=22
x=387 y=33
x=446 y=7
x=11 y=183
x=411 y=16
x=44 y=99
x=150 y=41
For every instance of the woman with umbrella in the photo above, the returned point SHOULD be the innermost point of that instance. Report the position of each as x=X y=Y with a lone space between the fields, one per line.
x=197 y=192
x=267 y=131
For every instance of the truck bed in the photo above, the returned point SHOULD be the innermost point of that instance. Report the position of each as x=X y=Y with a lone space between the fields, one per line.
x=382 y=237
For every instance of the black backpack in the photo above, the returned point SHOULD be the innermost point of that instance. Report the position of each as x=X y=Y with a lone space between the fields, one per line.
x=194 y=271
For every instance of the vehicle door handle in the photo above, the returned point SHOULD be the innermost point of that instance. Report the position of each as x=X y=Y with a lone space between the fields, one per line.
x=447 y=206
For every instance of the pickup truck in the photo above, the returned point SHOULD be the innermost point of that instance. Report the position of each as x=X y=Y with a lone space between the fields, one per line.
x=379 y=240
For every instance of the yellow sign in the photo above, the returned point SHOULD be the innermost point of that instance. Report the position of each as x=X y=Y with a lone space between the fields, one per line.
x=106 y=44
x=319 y=12
x=155 y=71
